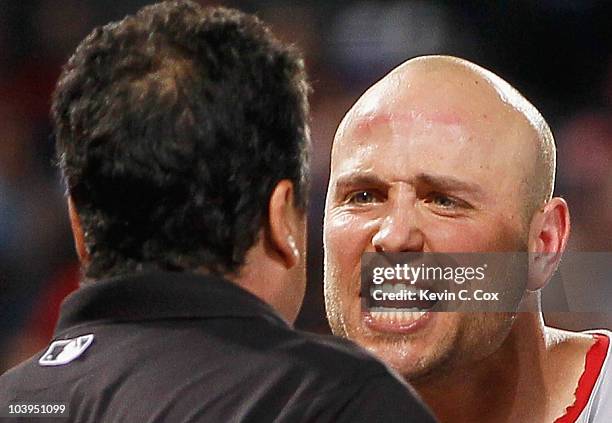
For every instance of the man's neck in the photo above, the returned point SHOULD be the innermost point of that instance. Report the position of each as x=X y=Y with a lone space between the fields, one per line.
x=521 y=381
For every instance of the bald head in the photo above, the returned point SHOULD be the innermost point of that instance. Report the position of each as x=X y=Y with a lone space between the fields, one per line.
x=452 y=91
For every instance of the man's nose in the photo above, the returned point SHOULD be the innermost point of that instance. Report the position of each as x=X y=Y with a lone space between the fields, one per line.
x=399 y=232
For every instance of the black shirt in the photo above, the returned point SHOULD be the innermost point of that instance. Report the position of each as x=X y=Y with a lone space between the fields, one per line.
x=180 y=347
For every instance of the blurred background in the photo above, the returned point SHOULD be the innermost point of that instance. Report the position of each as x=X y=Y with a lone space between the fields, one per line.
x=556 y=52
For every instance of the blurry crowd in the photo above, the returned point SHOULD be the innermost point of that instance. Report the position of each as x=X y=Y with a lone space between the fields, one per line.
x=556 y=52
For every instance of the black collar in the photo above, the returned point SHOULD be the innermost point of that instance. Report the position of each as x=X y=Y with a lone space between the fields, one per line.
x=160 y=295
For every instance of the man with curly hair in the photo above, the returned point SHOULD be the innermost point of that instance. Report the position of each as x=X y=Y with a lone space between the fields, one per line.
x=182 y=138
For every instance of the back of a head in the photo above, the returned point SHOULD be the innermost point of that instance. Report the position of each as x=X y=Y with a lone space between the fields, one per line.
x=173 y=126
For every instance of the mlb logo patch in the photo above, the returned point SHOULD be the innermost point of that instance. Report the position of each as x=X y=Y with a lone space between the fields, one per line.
x=66 y=350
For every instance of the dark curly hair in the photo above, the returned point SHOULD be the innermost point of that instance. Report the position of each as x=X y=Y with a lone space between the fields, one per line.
x=172 y=128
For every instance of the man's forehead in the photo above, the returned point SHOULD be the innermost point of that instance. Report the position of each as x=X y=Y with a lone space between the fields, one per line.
x=362 y=124
x=400 y=146
x=445 y=134
x=404 y=99
x=393 y=153
x=409 y=131
x=446 y=104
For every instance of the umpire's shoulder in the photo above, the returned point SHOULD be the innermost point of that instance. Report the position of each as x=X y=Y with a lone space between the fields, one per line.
x=328 y=350
x=335 y=380
x=331 y=360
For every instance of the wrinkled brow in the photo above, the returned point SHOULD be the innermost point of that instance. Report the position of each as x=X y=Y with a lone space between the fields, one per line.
x=448 y=183
x=359 y=179
x=444 y=183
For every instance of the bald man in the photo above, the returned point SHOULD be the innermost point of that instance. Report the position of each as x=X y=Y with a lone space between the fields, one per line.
x=442 y=155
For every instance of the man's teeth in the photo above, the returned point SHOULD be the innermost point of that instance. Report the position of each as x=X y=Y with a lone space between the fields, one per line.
x=397 y=316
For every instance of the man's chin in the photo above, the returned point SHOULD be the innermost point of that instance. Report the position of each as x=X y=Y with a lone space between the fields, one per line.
x=414 y=352
x=410 y=362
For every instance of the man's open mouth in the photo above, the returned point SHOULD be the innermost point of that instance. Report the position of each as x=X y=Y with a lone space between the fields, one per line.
x=400 y=291
x=396 y=305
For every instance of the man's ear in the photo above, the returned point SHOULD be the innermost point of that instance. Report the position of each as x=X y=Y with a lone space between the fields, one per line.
x=548 y=235
x=77 y=232
x=283 y=224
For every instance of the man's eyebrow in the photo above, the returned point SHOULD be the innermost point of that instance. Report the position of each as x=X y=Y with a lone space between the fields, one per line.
x=448 y=183
x=359 y=179
x=436 y=182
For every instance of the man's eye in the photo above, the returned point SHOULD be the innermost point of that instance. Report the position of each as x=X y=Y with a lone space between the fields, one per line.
x=443 y=201
x=361 y=197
